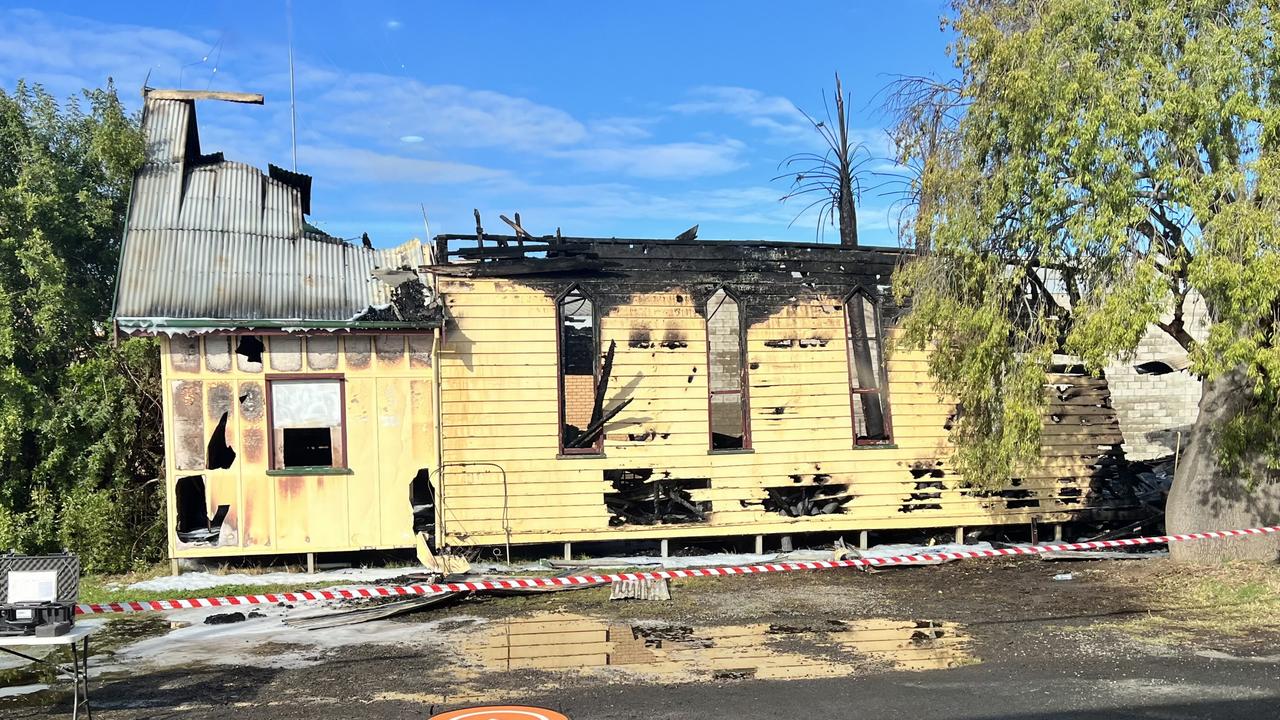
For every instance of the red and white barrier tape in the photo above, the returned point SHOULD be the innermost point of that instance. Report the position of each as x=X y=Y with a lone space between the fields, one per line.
x=378 y=591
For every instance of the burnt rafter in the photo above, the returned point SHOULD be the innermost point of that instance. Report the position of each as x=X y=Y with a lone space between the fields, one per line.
x=772 y=275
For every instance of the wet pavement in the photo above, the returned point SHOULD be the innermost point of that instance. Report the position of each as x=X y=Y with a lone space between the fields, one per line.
x=777 y=651
x=833 y=645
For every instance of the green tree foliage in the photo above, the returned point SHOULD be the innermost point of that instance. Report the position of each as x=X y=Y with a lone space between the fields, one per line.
x=1094 y=162
x=79 y=416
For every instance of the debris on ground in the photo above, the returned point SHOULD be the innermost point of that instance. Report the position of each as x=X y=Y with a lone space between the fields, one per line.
x=379 y=611
x=640 y=589
x=1064 y=576
x=204 y=580
x=225 y=618
x=1055 y=555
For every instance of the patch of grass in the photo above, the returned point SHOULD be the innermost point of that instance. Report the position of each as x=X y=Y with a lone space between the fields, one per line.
x=100 y=594
x=115 y=588
x=1233 y=600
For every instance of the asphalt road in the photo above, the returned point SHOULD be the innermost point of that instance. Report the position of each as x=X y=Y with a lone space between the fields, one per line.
x=1165 y=688
x=1168 y=688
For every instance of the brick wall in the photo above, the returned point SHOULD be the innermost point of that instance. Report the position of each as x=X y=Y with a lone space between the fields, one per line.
x=579 y=399
x=1153 y=409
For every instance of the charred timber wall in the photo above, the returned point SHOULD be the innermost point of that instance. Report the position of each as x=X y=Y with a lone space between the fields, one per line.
x=498 y=393
x=389 y=436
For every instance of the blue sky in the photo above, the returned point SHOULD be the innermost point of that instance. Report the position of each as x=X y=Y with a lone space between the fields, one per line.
x=611 y=119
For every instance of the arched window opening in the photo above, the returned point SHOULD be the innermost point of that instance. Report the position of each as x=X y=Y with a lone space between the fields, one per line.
x=726 y=374
x=579 y=343
x=867 y=383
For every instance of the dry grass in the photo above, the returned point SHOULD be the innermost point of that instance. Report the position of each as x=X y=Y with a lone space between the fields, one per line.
x=1234 y=600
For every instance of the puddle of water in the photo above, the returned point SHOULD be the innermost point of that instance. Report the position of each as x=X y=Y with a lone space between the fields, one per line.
x=673 y=652
x=27 y=684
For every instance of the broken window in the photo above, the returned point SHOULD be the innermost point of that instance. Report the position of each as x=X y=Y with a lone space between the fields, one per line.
x=726 y=375
x=307 y=423
x=579 y=350
x=867 y=384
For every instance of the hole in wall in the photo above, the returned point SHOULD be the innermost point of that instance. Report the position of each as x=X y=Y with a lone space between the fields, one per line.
x=219 y=455
x=193 y=522
x=807 y=500
x=422 y=498
x=192 y=505
x=250 y=347
x=640 y=499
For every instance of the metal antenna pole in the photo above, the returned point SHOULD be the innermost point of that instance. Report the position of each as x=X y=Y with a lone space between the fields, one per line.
x=293 y=112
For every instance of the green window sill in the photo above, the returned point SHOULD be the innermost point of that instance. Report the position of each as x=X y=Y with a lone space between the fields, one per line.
x=877 y=446
x=732 y=451
x=293 y=471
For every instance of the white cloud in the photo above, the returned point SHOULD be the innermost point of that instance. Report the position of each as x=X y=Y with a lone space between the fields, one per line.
x=67 y=53
x=669 y=160
x=622 y=128
x=394 y=24
x=361 y=165
x=773 y=113
x=740 y=101
x=777 y=116
x=381 y=106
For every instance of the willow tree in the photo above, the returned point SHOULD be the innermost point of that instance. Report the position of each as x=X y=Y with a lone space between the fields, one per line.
x=1093 y=164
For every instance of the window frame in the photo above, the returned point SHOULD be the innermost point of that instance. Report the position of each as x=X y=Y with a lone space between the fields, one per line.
x=744 y=390
x=596 y=448
x=272 y=468
x=855 y=389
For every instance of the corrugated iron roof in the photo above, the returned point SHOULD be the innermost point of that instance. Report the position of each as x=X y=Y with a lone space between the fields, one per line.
x=214 y=244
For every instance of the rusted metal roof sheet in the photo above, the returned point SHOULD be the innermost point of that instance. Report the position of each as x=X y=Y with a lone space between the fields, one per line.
x=214 y=244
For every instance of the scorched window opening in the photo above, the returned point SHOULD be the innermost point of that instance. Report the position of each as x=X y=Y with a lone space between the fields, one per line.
x=728 y=417
x=869 y=407
x=578 y=348
x=308 y=421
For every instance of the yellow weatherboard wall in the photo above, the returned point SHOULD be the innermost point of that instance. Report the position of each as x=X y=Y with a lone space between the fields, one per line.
x=504 y=482
x=390 y=436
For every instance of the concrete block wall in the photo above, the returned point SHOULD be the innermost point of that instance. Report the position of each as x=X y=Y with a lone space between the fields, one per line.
x=1156 y=411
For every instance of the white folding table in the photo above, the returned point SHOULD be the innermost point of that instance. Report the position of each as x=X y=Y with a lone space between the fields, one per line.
x=79 y=660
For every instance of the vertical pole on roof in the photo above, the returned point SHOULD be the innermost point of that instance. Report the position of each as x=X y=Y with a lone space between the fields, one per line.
x=293 y=113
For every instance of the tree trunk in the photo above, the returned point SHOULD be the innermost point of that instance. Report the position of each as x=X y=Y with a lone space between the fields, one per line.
x=848 y=214
x=1205 y=496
